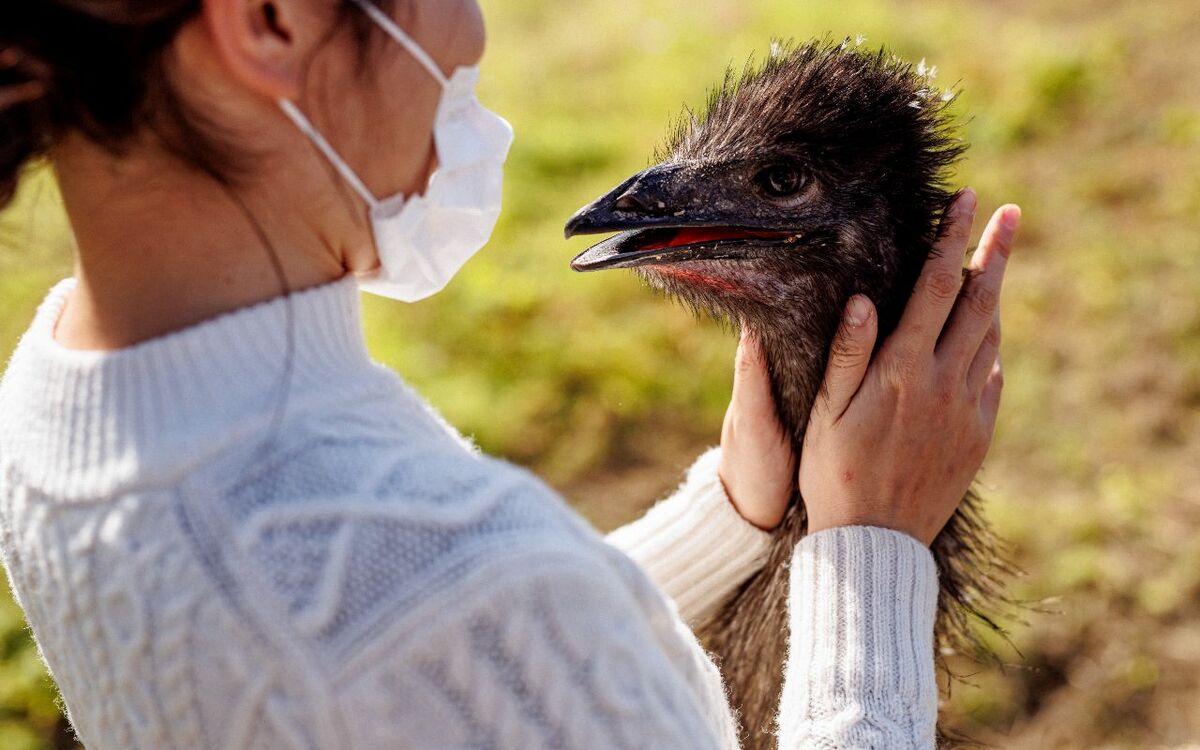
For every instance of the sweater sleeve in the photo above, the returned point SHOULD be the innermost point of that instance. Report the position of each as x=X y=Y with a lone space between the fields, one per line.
x=540 y=651
x=694 y=545
x=860 y=670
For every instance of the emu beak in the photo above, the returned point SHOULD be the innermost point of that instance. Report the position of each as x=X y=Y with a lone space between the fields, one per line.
x=648 y=198
x=670 y=213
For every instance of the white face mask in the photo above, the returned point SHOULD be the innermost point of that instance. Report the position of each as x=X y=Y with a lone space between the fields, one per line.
x=424 y=240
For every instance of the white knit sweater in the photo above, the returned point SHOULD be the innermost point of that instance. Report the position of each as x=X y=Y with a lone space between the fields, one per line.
x=202 y=570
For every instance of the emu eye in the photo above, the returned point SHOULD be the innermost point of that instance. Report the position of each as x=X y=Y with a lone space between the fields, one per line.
x=780 y=181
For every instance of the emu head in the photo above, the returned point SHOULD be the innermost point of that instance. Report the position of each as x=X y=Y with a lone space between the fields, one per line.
x=817 y=175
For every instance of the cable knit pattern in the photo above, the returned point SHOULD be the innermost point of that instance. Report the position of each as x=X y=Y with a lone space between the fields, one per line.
x=217 y=551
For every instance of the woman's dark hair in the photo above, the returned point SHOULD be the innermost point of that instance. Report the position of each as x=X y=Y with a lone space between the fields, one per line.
x=96 y=67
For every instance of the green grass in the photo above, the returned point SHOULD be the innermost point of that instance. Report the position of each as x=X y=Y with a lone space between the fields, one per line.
x=1086 y=112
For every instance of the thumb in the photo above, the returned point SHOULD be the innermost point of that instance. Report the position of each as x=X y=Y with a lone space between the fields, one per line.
x=849 y=356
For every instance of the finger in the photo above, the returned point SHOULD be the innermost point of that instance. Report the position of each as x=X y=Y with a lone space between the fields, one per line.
x=849 y=356
x=751 y=383
x=976 y=306
x=989 y=350
x=990 y=402
x=937 y=288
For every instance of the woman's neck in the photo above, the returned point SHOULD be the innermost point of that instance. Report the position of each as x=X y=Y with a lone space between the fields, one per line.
x=161 y=247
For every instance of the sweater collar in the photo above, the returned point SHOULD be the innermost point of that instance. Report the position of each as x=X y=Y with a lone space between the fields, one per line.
x=84 y=423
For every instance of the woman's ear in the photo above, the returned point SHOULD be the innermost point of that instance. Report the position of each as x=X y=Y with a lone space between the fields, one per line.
x=262 y=42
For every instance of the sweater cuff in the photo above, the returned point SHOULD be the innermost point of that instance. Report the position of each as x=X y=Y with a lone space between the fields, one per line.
x=695 y=545
x=863 y=602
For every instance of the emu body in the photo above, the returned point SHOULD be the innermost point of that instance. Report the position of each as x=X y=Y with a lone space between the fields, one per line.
x=815 y=176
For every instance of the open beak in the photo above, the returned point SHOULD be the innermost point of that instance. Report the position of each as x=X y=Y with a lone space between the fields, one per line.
x=666 y=215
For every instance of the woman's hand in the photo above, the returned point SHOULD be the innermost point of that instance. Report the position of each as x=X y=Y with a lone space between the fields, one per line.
x=757 y=465
x=895 y=441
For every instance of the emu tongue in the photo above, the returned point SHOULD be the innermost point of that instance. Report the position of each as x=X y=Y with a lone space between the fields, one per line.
x=702 y=235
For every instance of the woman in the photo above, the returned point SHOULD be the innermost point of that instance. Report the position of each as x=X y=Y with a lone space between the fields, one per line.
x=229 y=528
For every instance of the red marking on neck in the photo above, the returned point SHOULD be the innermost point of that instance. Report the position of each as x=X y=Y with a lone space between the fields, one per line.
x=696 y=278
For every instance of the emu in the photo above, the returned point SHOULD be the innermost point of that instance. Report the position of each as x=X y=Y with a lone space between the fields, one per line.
x=817 y=175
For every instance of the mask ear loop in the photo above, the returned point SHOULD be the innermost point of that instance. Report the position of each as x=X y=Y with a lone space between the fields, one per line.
x=386 y=23
x=296 y=116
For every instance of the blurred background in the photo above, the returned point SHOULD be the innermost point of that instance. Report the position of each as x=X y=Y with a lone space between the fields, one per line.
x=1086 y=112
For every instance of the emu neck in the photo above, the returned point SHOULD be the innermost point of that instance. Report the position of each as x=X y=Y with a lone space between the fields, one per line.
x=796 y=348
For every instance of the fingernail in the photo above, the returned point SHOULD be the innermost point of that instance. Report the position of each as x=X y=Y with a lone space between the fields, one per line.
x=857 y=312
x=1012 y=217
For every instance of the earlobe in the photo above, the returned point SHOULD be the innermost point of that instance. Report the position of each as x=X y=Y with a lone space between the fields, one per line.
x=257 y=41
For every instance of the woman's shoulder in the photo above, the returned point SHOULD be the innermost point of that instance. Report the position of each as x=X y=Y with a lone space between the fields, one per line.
x=346 y=530
x=360 y=468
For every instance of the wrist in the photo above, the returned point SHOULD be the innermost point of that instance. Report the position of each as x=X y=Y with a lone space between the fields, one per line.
x=823 y=522
x=814 y=529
